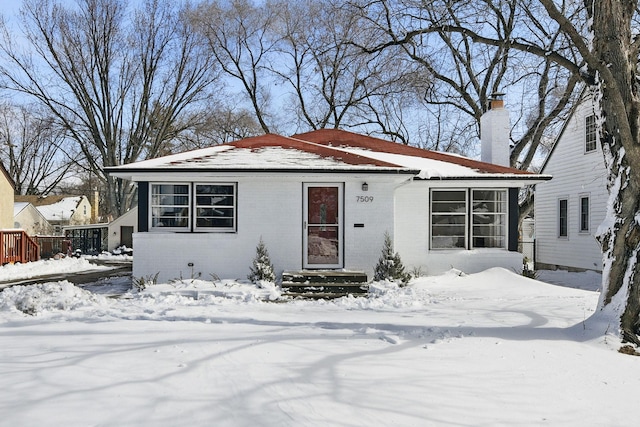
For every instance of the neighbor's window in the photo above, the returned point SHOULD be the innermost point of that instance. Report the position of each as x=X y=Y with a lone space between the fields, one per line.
x=452 y=223
x=590 y=134
x=448 y=219
x=563 y=218
x=489 y=219
x=170 y=206
x=215 y=206
x=584 y=213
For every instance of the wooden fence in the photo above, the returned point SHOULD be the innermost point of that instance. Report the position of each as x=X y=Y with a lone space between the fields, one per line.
x=17 y=246
x=50 y=246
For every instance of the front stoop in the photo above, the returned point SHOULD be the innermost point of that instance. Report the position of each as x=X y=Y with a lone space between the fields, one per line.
x=324 y=283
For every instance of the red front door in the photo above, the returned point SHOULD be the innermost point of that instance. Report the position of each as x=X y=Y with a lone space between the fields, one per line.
x=323 y=226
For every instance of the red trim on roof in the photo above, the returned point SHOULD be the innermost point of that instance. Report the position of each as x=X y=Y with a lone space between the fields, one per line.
x=338 y=137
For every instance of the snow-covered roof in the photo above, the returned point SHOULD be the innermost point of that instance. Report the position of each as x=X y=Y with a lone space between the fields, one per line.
x=18 y=207
x=53 y=208
x=323 y=151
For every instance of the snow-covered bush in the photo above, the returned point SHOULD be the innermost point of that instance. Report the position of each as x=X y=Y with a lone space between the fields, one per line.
x=390 y=265
x=262 y=269
x=142 y=283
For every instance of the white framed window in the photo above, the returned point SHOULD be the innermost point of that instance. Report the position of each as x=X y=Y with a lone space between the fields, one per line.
x=584 y=213
x=563 y=218
x=590 y=134
x=215 y=207
x=448 y=219
x=169 y=206
x=193 y=206
x=489 y=219
x=462 y=219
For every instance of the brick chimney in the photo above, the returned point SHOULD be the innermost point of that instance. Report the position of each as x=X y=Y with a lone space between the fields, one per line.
x=494 y=132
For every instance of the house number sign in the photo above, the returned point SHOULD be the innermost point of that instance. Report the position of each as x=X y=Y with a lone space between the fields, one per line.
x=364 y=199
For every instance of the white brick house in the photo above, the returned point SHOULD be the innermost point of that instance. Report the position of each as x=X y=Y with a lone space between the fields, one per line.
x=322 y=200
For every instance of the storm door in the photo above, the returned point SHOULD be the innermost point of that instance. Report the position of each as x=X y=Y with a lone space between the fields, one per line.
x=322 y=226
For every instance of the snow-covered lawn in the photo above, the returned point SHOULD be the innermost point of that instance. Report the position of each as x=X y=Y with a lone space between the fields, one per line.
x=489 y=349
x=14 y=272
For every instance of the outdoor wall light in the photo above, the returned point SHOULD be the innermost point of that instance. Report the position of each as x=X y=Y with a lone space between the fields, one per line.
x=365 y=186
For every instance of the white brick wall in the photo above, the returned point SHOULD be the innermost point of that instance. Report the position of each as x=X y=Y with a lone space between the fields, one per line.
x=412 y=237
x=272 y=207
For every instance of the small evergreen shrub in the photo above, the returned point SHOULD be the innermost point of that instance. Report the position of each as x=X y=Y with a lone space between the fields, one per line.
x=390 y=265
x=262 y=269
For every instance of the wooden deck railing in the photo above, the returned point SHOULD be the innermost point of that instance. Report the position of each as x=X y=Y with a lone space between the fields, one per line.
x=17 y=246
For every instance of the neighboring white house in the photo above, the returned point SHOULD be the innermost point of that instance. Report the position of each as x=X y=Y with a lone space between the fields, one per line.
x=29 y=219
x=322 y=200
x=122 y=228
x=61 y=211
x=569 y=208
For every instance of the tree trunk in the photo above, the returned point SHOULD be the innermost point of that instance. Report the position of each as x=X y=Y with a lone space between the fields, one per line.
x=619 y=106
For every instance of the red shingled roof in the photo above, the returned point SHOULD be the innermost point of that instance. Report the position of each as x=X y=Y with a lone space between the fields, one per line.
x=337 y=137
x=323 y=150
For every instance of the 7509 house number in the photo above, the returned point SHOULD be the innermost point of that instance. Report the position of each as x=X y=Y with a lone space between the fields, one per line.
x=364 y=199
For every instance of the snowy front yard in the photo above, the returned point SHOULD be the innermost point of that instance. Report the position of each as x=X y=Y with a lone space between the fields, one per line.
x=491 y=348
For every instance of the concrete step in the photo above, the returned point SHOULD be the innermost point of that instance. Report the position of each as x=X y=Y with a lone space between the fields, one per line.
x=321 y=283
x=324 y=276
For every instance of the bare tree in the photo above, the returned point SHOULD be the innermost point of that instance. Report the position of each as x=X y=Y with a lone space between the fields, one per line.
x=219 y=125
x=37 y=151
x=121 y=82
x=605 y=58
x=463 y=75
x=239 y=35
x=330 y=81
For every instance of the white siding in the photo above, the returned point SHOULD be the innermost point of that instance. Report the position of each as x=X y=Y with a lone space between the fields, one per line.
x=129 y=218
x=575 y=174
x=31 y=220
